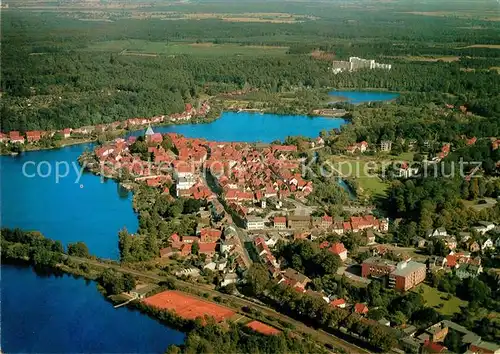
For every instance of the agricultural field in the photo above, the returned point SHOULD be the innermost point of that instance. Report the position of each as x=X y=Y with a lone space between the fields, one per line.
x=438 y=300
x=149 y=48
x=482 y=15
x=490 y=46
x=446 y=59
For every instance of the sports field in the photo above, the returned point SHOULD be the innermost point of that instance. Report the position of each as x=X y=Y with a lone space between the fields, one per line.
x=187 y=306
x=260 y=327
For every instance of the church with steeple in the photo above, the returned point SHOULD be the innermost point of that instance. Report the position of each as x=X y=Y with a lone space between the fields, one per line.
x=149 y=131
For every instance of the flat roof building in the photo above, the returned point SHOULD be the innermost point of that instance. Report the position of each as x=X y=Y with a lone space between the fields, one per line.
x=402 y=276
x=407 y=275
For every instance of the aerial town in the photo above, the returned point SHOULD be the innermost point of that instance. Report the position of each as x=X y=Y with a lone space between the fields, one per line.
x=265 y=176
x=255 y=201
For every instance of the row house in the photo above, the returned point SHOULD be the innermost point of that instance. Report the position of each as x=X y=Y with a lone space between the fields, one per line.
x=33 y=136
x=15 y=137
x=266 y=256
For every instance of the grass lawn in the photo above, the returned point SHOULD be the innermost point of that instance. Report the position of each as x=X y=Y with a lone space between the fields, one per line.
x=141 y=47
x=364 y=174
x=405 y=156
x=434 y=297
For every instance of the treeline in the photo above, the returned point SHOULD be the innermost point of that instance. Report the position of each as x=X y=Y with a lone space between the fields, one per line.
x=363 y=25
x=415 y=123
x=438 y=202
x=55 y=91
x=33 y=247
x=69 y=87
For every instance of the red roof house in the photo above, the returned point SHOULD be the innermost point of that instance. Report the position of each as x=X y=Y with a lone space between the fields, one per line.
x=432 y=347
x=362 y=309
x=208 y=235
x=339 y=249
x=279 y=222
x=341 y=303
x=208 y=248
x=33 y=136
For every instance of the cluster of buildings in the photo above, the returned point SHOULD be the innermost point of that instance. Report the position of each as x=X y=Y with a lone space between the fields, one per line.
x=223 y=251
x=358 y=147
x=465 y=263
x=246 y=175
x=432 y=339
x=335 y=225
x=33 y=136
x=356 y=63
x=206 y=239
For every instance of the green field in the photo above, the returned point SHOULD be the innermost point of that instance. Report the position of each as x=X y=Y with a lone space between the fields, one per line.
x=143 y=47
x=364 y=175
x=434 y=297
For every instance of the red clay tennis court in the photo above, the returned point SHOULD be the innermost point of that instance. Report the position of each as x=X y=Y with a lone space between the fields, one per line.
x=262 y=328
x=188 y=307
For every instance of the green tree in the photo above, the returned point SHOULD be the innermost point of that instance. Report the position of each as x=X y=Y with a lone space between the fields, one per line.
x=128 y=282
x=195 y=248
x=78 y=249
x=257 y=279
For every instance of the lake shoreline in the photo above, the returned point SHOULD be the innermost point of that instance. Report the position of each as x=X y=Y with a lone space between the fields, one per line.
x=125 y=132
x=338 y=98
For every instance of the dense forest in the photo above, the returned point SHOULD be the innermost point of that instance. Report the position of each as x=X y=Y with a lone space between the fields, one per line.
x=63 y=82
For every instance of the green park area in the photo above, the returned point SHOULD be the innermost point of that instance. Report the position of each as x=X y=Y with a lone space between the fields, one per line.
x=444 y=303
x=365 y=174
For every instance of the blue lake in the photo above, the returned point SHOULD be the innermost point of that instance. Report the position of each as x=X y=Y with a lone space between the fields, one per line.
x=68 y=210
x=64 y=314
x=356 y=97
x=253 y=127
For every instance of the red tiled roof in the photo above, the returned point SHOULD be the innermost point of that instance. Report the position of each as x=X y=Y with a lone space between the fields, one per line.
x=280 y=220
x=360 y=308
x=337 y=248
x=451 y=260
x=434 y=347
x=338 y=302
x=207 y=247
x=324 y=244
